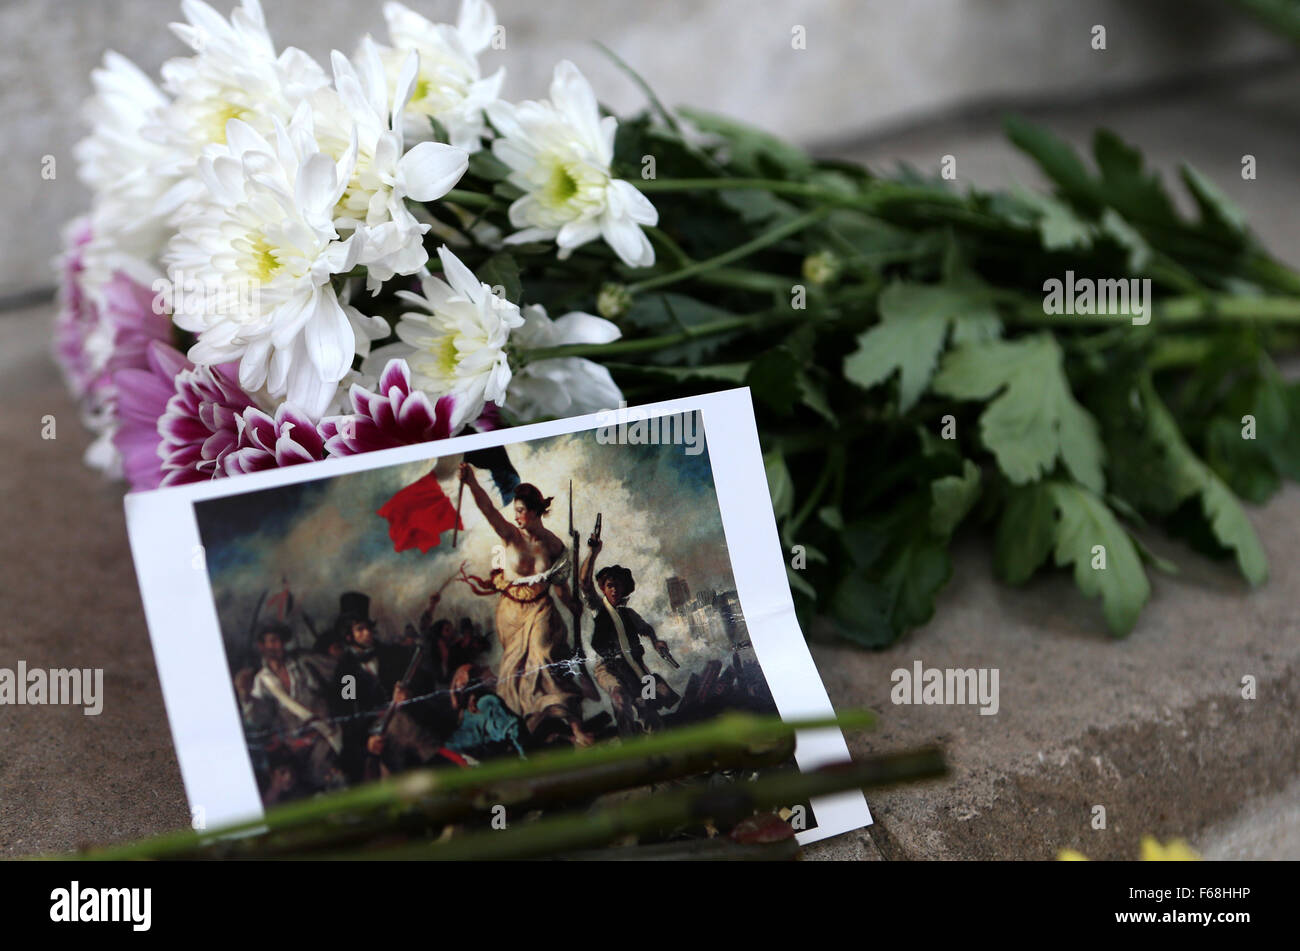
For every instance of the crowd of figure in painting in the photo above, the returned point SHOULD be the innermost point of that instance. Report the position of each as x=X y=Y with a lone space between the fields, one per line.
x=355 y=706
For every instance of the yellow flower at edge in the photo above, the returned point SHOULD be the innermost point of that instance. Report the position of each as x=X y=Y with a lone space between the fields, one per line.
x=1152 y=851
x=1176 y=851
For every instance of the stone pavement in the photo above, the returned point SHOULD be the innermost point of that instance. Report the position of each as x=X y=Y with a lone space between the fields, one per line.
x=1152 y=727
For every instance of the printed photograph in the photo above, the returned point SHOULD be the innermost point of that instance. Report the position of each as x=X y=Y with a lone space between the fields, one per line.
x=512 y=599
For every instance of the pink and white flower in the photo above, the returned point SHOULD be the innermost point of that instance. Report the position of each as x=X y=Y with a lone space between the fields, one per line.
x=393 y=414
x=76 y=315
x=177 y=422
x=267 y=442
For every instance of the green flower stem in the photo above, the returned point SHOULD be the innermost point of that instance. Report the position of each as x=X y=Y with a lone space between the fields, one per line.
x=660 y=813
x=1172 y=310
x=744 y=280
x=738 y=278
x=823 y=480
x=414 y=787
x=650 y=344
x=766 y=239
x=472 y=199
x=776 y=186
x=555 y=790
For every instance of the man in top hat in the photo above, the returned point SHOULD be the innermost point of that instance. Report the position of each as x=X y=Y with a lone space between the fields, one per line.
x=368 y=673
x=616 y=639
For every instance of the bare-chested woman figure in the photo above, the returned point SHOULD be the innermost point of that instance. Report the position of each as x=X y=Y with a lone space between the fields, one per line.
x=534 y=678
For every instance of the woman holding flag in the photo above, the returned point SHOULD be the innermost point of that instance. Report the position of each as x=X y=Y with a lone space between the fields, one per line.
x=535 y=679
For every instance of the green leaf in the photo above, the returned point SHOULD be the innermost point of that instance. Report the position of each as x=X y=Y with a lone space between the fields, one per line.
x=483 y=164
x=752 y=151
x=1035 y=419
x=1138 y=195
x=1056 y=158
x=1276 y=408
x=773 y=377
x=668 y=312
x=915 y=319
x=1153 y=467
x=1128 y=238
x=857 y=608
x=812 y=395
x=1026 y=532
x=1217 y=210
x=730 y=372
x=1059 y=227
x=831 y=517
x=757 y=207
x=1243 y=464
x=953 y=497
x=1084 y=523
x=1233 y=530
x=875 y=609
x=779 y=484
x=501 y=271
x=799 y=583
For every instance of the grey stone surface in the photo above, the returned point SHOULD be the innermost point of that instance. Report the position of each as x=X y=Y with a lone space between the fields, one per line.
x=867 y=65
x=1267 y=828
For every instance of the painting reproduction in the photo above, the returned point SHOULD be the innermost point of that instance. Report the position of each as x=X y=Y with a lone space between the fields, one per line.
x=496 y=598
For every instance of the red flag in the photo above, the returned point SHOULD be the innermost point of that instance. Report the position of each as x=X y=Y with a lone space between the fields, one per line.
x=418 y=515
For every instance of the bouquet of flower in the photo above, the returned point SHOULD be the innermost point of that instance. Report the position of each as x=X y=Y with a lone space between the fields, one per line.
x=284 y=262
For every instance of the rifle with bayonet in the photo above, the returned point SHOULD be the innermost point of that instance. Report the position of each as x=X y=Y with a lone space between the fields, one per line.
x=585 y=682
x=372 y=760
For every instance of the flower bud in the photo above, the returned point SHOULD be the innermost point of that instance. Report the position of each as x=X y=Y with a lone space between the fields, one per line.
x=821 y=268
x=613 y=301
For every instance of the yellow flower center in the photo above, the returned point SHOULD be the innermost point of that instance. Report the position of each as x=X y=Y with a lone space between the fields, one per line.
x=446 y=355
x=264 y=263
x=560 y=187
x=222 y=113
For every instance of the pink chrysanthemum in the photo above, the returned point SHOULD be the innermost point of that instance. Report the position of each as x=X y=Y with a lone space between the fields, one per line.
x=128 y=324
x=269 y=443
x=176 y=422
x=77 y=315
x=393 y=415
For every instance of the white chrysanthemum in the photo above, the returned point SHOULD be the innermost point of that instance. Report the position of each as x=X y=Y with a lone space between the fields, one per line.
x=383 y=176
x=449 y=86
x=128 y=226
x=234 y=74
x=562 y=386
x=559 y=153
x=455 y=343
x=263 y=236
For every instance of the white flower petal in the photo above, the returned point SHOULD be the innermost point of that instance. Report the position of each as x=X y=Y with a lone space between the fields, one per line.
x=431 y=169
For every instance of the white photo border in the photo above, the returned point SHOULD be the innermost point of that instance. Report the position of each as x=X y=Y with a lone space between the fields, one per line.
x=180 y=607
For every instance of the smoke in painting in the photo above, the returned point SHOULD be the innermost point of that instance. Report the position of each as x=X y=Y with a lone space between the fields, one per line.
x=361 y=641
